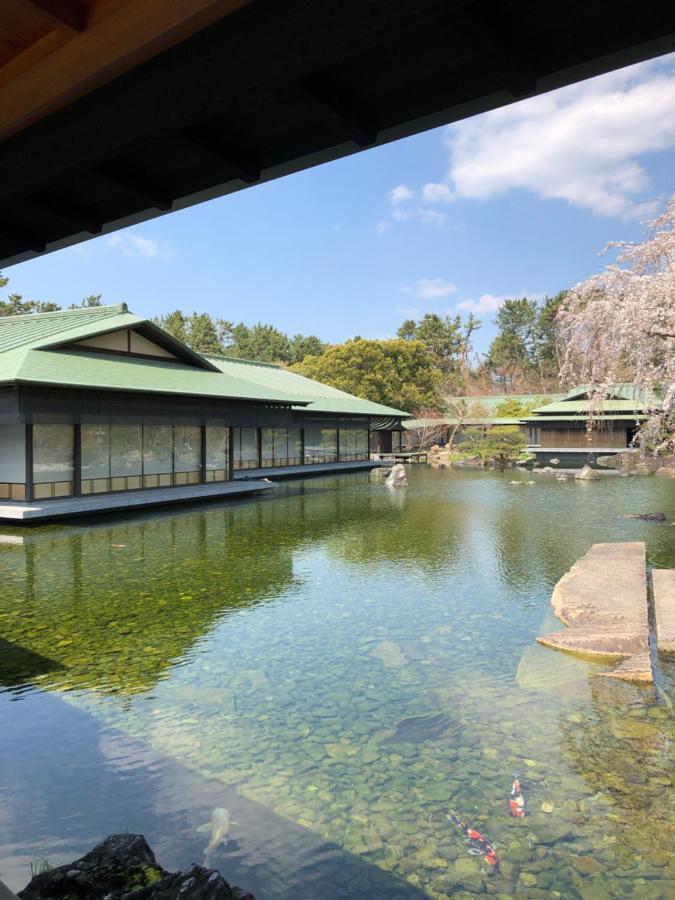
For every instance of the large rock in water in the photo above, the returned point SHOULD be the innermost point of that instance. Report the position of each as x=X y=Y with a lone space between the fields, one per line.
x=123 y=867
x=397 y=476
x=586 y=474
x=603 y=598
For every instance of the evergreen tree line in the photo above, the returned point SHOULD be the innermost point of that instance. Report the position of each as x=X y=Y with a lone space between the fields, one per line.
x=430 y=359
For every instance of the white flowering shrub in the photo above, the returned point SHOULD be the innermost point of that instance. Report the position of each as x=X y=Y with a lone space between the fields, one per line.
x=619 y=326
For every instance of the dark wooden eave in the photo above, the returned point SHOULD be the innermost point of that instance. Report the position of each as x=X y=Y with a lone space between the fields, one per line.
x=275 y=87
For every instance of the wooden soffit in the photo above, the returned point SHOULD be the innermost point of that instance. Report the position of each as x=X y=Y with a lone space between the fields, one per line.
x=53 y=52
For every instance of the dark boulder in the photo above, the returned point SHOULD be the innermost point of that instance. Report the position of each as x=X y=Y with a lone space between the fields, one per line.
x=123 y=867
x=196 y=883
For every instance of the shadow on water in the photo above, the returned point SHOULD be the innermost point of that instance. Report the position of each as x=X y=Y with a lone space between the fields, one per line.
x=20 y=666
x=93 y=785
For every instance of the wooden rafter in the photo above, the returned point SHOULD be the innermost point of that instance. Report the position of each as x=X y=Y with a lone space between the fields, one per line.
x=70 y=14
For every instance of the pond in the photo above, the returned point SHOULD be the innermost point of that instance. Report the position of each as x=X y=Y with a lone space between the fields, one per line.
x=341 y=666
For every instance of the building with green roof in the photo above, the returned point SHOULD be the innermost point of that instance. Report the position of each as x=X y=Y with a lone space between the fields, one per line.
x=101 y=409
x=577 y=429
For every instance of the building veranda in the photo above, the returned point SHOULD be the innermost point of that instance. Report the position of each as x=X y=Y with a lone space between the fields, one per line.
x=100 y=409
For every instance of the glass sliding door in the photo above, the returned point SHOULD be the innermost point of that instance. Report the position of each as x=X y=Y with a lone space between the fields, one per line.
x=187 y=450
x=347 y=444
x=329 y=438
x=245 y=448
x=13 y=462
x=53 y=460
x=126 y=457
x=362 y=449
x=267 y=447
x=320 y=444
x=217 y=453
x=295 y=446
x=281 y=447
x=157 y=455
x=95 y=457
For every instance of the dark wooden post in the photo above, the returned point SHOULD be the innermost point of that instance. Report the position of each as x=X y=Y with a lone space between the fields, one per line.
x=203 y=454
x=29 y=461
x=77 y=460
x=230 y=454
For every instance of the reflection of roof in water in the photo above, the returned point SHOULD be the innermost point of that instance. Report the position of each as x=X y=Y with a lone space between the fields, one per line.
x=167 y=580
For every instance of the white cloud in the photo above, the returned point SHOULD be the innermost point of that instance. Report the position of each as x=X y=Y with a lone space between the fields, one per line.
x=489 y=303
x=433 y=192
x=580 y=144
x=401 y=194
x=421 y=213
x=486 y=303
x=432 y=288
x=134 y=244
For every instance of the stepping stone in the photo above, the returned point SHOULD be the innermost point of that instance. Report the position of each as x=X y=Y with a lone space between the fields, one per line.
x=603 y=600
x=663 y=582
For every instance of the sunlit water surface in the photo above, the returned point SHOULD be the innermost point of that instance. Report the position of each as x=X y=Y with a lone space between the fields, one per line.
x=259 y=655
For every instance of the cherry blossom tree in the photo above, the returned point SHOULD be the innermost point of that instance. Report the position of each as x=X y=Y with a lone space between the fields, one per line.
x=619 y=326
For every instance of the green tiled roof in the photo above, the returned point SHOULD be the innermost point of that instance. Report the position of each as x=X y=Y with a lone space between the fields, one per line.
x=411 y=424
x=619 y=391
x=29 y=355
x=32 y=352
x=37 y=330
x=577 y=407
x=322 y=398
x=539 y=420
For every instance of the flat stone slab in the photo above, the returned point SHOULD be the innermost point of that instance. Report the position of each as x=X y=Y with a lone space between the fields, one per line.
x=603 y=600
x=663 y=582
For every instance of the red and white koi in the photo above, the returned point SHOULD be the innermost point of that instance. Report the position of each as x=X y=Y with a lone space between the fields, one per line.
x=477 y=843
x=516 y=800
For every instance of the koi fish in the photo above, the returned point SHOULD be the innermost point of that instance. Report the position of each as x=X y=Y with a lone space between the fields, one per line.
x=218 y=829
x=477 y=843
x=516 y=800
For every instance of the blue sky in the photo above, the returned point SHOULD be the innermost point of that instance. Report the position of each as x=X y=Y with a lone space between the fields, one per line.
x=517 y=201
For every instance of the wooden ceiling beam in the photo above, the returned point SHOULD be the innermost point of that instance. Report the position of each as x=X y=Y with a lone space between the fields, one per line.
x=118 y=37
x=503 y=39
x=69 y=14
x=239 y=163
x=23 y=237
x=122 y=175
x=350 y=113
x=68 y=209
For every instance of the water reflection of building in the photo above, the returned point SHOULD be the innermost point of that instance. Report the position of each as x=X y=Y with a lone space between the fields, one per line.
x=111 y=606
x=102 y=409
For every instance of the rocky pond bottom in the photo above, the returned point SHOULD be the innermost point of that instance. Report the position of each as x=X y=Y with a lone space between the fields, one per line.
x=340 y=668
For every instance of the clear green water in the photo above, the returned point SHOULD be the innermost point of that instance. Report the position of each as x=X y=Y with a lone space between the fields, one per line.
x=259 y=656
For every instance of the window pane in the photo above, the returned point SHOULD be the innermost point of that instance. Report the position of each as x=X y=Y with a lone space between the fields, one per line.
x=329 y=436
x=95 y=450
x=217 y=447
x=268 y=444
x=13 y=454
x=126 y=449
x=53 y=453
x=281 y=443
x=157 y=449
x=249 y=444
x=295 y=443
x=187 y=442
x=312 y=442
